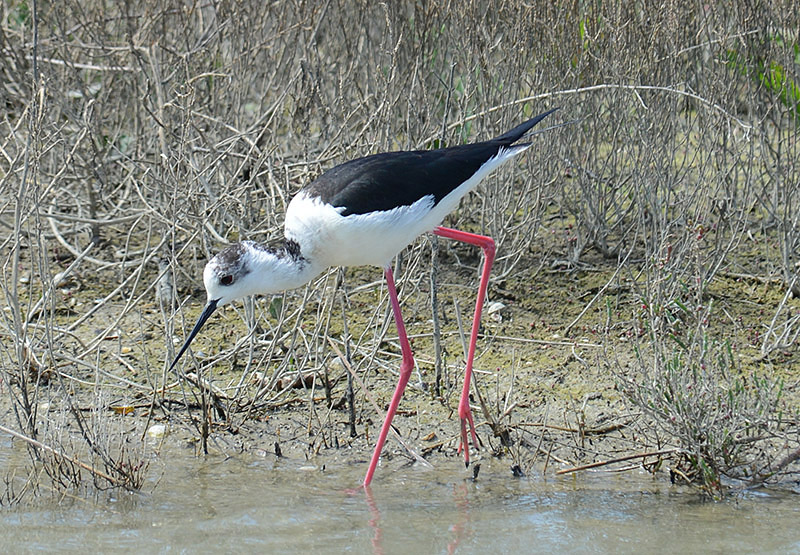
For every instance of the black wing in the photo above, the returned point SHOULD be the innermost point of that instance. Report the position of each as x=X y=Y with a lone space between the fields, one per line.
x=384 y=181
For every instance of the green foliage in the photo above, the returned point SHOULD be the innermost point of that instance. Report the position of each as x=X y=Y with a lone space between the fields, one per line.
x=275 y=307
x=19 y=15
x=721 y=415
x=771 y=74
x=775 y=78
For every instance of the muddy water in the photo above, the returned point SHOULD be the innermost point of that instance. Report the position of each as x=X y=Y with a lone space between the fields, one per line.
x=267 y=505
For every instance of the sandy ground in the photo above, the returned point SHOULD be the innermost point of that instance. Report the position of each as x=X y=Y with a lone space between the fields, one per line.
x=552 y=355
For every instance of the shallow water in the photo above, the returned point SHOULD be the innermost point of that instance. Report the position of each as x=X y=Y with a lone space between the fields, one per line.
x=260 y=504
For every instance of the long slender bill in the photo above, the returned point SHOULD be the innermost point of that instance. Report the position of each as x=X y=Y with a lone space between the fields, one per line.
x=207 y=311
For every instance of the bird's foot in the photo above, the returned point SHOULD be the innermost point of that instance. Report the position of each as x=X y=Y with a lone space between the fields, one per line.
x=464 y=442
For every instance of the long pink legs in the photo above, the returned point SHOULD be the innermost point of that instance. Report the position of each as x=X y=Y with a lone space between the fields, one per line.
x=464 y=412
x=405 y=373
x=487 y=244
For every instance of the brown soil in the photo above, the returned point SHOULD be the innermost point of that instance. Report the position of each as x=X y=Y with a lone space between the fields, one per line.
x=549 y=366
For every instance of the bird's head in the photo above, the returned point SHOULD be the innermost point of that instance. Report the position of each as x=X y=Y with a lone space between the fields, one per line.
x=227 y=277
x=249 y=268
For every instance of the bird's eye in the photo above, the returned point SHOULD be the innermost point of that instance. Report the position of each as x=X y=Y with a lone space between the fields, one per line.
x=226 y=280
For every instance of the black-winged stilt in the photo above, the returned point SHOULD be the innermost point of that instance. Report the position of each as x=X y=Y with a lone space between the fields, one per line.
x=364 y=212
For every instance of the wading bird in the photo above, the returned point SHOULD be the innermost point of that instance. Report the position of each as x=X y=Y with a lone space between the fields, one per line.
x=362 y=213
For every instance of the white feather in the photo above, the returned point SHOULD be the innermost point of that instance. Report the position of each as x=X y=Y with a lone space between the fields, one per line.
x=330 y=239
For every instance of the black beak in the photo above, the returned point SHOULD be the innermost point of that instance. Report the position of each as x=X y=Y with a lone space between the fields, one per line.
x=207 y=311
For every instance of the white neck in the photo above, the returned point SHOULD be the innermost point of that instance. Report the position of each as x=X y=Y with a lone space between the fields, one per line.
x=276 y=269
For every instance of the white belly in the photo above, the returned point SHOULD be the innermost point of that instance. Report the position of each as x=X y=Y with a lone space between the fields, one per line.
x=359 y=239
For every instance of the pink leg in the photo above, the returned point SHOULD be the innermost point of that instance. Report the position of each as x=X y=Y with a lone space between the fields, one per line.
x=487 y=244
x=405 y=373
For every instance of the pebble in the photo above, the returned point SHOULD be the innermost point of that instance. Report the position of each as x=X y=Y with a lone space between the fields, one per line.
x=157 y=431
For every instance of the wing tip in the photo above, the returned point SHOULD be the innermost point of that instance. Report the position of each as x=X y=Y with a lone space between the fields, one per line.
x=512 y=136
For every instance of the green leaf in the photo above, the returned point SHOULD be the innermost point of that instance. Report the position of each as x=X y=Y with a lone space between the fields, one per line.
x=275 y=307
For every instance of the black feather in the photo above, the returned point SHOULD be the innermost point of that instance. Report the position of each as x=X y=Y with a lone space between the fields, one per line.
x=384 y=181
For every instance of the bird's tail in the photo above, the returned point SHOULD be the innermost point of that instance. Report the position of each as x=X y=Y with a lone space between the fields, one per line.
x=510 y=137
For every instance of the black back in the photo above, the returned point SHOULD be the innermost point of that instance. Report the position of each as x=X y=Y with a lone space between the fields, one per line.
x=384 y=181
